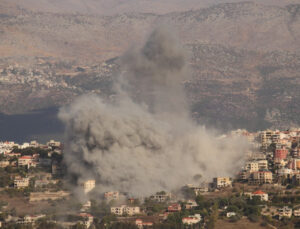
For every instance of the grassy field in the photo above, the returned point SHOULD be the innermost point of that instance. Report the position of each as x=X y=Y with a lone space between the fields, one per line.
x=241 y=224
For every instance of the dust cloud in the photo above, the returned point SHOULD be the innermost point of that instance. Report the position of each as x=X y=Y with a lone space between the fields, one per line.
x=145 y=141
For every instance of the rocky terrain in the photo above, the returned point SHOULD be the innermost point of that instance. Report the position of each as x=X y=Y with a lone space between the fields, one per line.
x=245 y=57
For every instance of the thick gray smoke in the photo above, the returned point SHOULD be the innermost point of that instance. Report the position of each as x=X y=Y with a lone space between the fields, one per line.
x=145 y=141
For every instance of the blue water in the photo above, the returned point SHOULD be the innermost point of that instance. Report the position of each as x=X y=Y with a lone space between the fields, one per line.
x=40 y=125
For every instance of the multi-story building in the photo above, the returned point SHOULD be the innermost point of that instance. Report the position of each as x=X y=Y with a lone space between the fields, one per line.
x=125 y=210
x=221 y=182
x=20 y=182
x=111 y=196
x=262 y=164
x=285 y=212
x=252 y=166
x=281 y=154
x=161 y=197
x=261 y=177
x=266 y=139
x=88 y=185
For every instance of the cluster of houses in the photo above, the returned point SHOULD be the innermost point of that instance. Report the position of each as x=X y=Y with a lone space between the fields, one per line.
x=11 y=156
x=276 y=155
x=7 y=146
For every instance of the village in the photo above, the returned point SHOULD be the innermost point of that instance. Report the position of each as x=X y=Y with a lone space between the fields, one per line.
x=265 y=192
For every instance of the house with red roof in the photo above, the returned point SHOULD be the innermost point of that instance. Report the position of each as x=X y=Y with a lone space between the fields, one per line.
x=141 y=224
x=262 y=195
x=174 y=208
x=192 y=219
x=25 y=160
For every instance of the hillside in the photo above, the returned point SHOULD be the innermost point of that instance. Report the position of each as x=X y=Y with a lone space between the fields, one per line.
x=245 y=56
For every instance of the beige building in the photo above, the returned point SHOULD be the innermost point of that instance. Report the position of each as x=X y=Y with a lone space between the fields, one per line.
x=262 y=177
x=88 y=185
x=262 y=164
x=125 y=210
x=285 y=212
x=252 y=166
x=163 y=197
x=4 y=164
x=221 y=182
x=297 y=212
x=111 y=196
x=20 y=182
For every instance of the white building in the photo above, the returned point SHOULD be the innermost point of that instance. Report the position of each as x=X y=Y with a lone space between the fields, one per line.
x=262 y=195
x=230 y=214
x=21 y=182
x=285 y=212
x=125 y=210
x=284 y=172
x=25 y=160
x=192 y=219
x=297 y=212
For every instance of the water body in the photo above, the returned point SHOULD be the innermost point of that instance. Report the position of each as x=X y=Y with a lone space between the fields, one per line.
x=40 y=125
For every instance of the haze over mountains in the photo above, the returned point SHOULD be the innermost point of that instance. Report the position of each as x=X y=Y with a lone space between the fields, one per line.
x=245 y=56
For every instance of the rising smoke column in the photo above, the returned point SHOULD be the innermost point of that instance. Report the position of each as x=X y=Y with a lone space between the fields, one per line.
x=145 y=141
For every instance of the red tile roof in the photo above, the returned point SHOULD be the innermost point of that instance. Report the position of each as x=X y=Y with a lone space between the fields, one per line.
x=258 y=192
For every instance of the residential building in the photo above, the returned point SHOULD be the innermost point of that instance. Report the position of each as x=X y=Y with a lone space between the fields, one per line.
x=221 y=182
x=296 y=212
x=88 y=185
x=280 y=154
x=252 y=166
x=230 y=214
x=25 y=160
x=4 y=163
x=125 y=210
x=161 y=197
x=32 y=218
x=262 y=164
x=192 y=219
x=284 y=172
x=191 y=204
x=141 y=224
x=262 y=177
x=20 y=182
x=285 y=212
x=174 y=208
x=262 y=195
x=111 y=195
x=88 y=219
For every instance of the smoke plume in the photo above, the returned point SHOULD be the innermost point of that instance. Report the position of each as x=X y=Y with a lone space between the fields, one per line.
x=145 y=141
